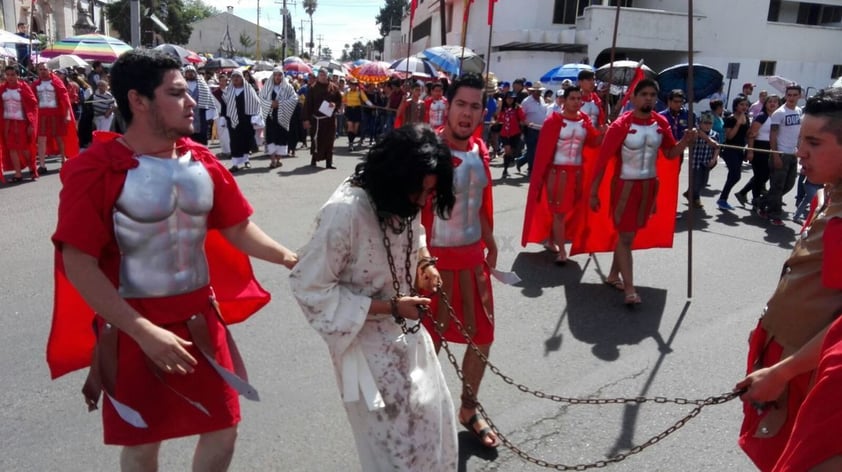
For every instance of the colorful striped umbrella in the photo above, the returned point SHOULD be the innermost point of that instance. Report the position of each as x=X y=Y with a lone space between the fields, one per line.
x=373 y=72
x=297 y=68
x=91 y=47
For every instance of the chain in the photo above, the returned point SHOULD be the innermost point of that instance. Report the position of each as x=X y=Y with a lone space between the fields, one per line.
x=699 y=404
x=396 y=285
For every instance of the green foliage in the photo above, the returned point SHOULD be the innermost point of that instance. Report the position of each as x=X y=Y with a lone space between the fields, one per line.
x=246 y=41
x=178 y=15
x=310 y=7
x=390 y=15
x=327 y=54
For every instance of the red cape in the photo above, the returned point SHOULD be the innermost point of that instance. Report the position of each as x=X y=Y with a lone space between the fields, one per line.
x=598 y=233
x=538 y=220
x=427 y=213
x=72 y=337
x=817 y=434
x=71 y=139
x=30 y=110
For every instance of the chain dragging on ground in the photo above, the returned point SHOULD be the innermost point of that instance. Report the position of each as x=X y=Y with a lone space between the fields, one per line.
x=699 y=405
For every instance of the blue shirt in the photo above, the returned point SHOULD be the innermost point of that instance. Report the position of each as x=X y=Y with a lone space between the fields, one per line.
x=678 y=124
x=490 y=108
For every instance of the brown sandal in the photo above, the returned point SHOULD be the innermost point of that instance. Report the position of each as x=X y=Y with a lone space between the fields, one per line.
x=617 y=284
x=483 y=433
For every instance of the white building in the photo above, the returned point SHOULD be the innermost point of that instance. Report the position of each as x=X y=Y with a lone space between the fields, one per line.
x=792 y=39
x=55 y=19
x=220 y=34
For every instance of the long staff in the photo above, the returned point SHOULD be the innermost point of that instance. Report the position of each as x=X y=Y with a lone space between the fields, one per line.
x=691 y=174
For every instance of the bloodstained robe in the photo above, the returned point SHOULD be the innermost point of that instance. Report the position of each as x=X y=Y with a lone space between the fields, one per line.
x=92 y=184
x=538 y=220
x=391 y=383
x=598 y=232
x=322 y=128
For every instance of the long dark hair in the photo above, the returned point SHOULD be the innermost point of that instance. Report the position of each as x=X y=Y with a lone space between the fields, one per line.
x=394 y=170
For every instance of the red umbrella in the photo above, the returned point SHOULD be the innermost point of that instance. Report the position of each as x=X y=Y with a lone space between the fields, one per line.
x=297 y=68
x=373 y=72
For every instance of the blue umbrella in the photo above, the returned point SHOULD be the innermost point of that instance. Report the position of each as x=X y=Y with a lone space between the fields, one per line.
x=706 y=81
x=415 y=66
x=443 y=59
x=565 y=72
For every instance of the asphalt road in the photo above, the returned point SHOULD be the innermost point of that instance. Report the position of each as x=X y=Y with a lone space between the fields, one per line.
x=560 y=331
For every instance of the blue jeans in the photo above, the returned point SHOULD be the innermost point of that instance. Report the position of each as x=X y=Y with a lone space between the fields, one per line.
x=531 y=139
x=810 y=190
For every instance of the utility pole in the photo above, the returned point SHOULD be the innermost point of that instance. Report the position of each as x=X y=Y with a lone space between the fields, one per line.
x=301 y=35
x=320 y=38
x=284 y=33
x=257 y=41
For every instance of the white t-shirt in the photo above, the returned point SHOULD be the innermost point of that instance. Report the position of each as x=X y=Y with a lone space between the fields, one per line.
x=789 y=126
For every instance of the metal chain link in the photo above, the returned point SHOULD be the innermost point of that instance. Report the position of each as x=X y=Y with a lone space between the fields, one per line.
x=396 y=285
x=700 y=404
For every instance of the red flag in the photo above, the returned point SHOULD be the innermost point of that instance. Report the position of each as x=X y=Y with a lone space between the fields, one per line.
x=491 y=11
x=412 y=6
x=638 y=76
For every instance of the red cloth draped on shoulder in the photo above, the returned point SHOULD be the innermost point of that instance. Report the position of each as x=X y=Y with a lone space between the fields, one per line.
x=538 y=220
x=816 y=435
x=598 y=232
x=30 y=110
x=65 y=108
x=102 y=169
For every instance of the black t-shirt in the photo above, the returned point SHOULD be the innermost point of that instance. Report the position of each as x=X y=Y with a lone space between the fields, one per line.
x=739 y=139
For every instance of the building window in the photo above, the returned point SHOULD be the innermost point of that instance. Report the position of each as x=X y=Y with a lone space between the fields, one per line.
x=816 y=14
x=623 y=3
x=566 y=11
x=767 y=68
x=774 y=10
x=836 y=72
x=422 y=30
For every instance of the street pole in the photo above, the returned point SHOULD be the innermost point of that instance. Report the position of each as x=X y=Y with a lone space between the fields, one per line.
x=284 y=33
x=134 y=19
x=257 y=41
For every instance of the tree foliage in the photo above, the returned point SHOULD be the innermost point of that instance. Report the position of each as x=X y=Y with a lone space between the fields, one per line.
x=390 y=15
x=246 y=41
x=327 y=54
x=177 y=15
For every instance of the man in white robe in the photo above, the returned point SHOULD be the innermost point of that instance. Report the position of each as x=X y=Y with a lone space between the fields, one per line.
x=389 y=377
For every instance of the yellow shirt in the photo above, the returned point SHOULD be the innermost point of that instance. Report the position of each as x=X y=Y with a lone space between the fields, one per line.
x=353 y=99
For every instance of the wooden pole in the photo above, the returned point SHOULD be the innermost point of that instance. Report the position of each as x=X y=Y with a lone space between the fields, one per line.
x=608 y=111
x=690 y=125
x=488 y=49
x=443 y=21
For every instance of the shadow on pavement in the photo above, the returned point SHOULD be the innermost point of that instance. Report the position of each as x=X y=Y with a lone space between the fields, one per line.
x=469 y=446
x=537 y=271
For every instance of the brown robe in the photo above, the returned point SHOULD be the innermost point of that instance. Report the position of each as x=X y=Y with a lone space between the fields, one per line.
x=322 y=129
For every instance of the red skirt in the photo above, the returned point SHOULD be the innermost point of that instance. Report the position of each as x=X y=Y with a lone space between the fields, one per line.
x=632 y=203
x=466 y=280
x=764 y=434
x=15 y=137
x=160 y=397
x=51 y=123
x=564 y=187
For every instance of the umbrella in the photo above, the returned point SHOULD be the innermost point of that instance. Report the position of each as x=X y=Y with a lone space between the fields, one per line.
x=263 y=66
x=8 y=52
x=373 y=72
x=11 y=38
x=565 y=72
x=706 y=81
x=91 y=47
x=221 y=63
x=243 y=61
x=359 y=62
x=780 y=83
x=333 y=65
x=623 y=72
x=442 y=58
x=838 y=83
x=66 y=61
x=467 y=60
x=415 y=66
x=184 y=55
x=293 y=59
x=297 y=68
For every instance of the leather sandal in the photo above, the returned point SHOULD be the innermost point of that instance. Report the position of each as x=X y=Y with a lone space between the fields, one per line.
x=483 y=433
x=632 y=299
x=617 y=284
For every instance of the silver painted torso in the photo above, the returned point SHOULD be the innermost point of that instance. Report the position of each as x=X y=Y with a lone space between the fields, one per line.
x=469 y=182
x=639 y=152
x=12 y=105
x=571 y=138
x=160 y=223
x=46 y=95
x=591 y=109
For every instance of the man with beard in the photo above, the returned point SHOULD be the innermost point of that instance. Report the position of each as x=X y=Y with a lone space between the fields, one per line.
x=241 y=104
x=634 y=147
x=278 y=100
x=200 y=92
x=222 y=119
x=18 y=119
x=152 y=239
x=319 y=118
x=465 y=249
x=56 y=125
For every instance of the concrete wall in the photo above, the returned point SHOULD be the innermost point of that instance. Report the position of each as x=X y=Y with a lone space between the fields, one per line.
x=208 y=34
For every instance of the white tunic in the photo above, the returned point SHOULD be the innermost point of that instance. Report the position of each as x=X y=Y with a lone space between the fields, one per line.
x=392 y=385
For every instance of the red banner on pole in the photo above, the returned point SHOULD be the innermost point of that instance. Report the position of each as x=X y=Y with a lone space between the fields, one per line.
x=412 y=6
x=491 y=11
